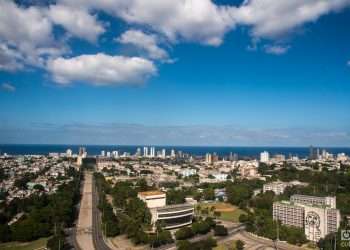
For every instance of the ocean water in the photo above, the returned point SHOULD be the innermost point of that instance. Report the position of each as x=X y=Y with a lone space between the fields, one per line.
x=17 y=149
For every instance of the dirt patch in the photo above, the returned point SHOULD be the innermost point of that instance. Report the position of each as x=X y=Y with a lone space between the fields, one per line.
x=224 y=207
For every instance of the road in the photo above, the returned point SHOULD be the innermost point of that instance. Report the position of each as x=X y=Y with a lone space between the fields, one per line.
x=97 y=234
x=255 y=243
x=83 y=230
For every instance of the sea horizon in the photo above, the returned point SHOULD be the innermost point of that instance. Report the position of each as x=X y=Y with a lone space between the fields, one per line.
x=245 y=151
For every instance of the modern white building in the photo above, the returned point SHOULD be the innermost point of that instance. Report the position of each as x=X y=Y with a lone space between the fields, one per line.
x=152 y=152
x=208 y=158
x=277 y=187
x=145 y=151
x=264 y=156
x=288 y=214
x=220 y=176
x=317 y=215
x=153 y=198
x=188 y=172
x=320 y=221
x=172 y=216
x=69 y=153
x=163 y=153
x=115 y=154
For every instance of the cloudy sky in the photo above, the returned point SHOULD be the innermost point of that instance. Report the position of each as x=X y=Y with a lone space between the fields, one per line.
x=185 y=72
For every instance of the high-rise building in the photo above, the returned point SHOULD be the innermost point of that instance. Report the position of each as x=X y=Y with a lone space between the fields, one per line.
x=108 y=154
x=115 y=154
x=69 y=153
x=103 y=153
x=138 y=152
x=208 y=158
x=163 y=153
x=264 y=156
x=82 y=151
x=172 y=154
x=153 y=152
x=145 y=151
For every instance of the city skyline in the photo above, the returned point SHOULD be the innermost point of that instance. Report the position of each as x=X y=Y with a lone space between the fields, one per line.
x=175 y=73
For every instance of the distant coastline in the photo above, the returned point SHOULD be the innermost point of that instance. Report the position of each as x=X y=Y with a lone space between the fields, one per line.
x=244 y=151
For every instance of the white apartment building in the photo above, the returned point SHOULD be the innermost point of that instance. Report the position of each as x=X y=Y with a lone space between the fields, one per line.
x=145 y=151
x=172 y=154
x=115 y=154
x=320 y=221
x=220 y=176
x=277 y=187
x=188 y=172
x=208 y=158
x=264 y=156
x=288 y=214
x=152 y=152
x=69 y=153
x=163 y=155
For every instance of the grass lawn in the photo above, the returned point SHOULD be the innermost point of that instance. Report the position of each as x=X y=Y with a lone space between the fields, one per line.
x=37 y=244
x=227 y=211
x=231 y=245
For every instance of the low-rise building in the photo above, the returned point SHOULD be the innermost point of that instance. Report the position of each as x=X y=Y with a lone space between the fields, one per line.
x=277 y=187
x=171 y=216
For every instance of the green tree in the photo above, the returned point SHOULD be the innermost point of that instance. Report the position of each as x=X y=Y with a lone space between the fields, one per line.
x=220 y=230
x=209 y=194
x=184 y=233
x=239 y=245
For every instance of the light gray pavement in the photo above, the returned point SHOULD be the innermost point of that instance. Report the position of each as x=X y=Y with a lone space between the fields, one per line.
x=84 y=226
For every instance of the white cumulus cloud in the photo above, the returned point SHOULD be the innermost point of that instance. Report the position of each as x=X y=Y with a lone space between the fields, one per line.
x=78 y=21
x=101 y=69
x=25 y=36
x=199 y=21
x=147 y=42
x=271 y=18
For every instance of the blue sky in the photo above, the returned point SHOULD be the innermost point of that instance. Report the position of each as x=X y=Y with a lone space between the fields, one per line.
x=183 y=72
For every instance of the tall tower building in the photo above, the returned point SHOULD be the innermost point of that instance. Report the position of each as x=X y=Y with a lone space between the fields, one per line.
x=69 y=153
x=115 y=154
x=172 y=154
x=264 y=156
x=145 y=151
x=208 y=158
x=153 y=152
x=82 y=151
